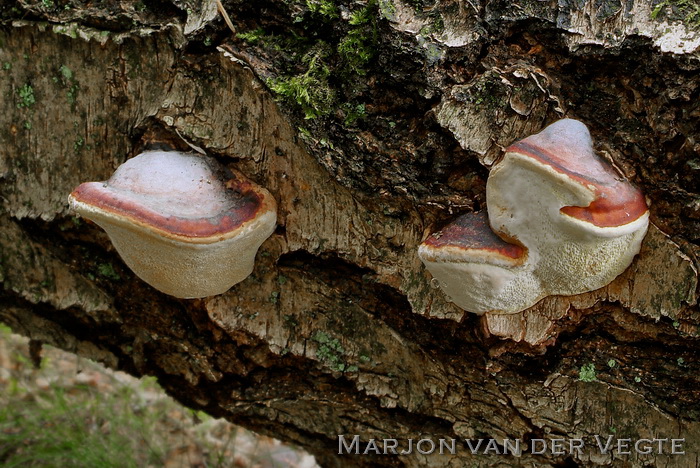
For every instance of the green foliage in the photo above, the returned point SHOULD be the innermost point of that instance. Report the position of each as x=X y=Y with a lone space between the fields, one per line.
x=686 y=10
x=72 y=93
x=51 y=417
x=356 y=51
x=310 y=90
x=325 y=8
x=107 y=270
x=26 y=96
x=329 y=79
x=56 y=430
x=252 y=37
x=353 y=113
x=363 y=15
x=358 y=47
x=587 y=373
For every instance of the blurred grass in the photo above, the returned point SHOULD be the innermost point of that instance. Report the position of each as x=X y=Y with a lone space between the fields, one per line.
x=72 y=412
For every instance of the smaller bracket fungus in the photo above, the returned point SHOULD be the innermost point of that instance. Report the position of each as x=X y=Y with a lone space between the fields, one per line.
x=560 y=221
x=182 y=223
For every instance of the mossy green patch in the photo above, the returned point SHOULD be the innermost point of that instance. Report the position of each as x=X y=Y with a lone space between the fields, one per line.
x=335 y=53
x=253 y=37
x=25 y=95
x=107 y=270
x=332 y=353
x=66 y=72
x=587 y=373
x=354 y=113
x=310 y=90
x=325 y=8
x=687 y=11
x=359 y=45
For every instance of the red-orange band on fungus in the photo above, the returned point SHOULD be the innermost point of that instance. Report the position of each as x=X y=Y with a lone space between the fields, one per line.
x=472 y=231
x=246 y=206
x=617 y=201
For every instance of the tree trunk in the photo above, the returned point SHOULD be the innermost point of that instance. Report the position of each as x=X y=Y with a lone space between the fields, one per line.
x=373 y=124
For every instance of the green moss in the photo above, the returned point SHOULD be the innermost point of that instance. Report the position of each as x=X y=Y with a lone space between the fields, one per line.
x=356 y=50
x=107 y=270
x=252 y=37
x=587 y=373
x=25 y=96
x=325 y=8
x=687 y=11
x=309 y=90
x=331 y=78
x=353 y=113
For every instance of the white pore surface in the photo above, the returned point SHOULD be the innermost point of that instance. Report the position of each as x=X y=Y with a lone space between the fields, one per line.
x=181 y=269
x=565 y=256
x=480 y=287
x=183 y=185
x=172 y=184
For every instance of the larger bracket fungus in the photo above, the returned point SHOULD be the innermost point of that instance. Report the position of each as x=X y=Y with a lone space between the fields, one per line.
x=181 y=222
x=561 y=221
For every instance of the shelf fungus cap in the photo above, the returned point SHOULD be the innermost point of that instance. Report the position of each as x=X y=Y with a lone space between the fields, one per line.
x=578 y=222
x=183 y=223
x=474 y=267
x=592 y=192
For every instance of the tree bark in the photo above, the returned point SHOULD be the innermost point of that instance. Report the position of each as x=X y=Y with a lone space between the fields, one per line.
x=408 y=103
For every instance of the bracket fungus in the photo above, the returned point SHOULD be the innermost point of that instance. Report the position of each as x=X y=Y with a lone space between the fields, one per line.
x=561 y=221
x=182 y=223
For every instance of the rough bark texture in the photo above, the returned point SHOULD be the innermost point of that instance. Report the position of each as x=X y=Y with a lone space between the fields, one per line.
x=338 y=330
